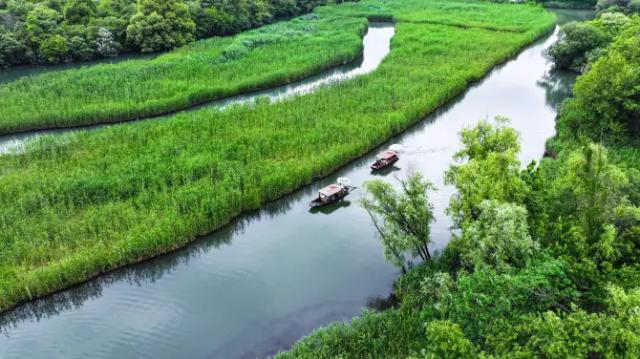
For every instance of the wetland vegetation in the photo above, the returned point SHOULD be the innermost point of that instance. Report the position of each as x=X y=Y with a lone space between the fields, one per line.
x=82 y=204
x=206 y=70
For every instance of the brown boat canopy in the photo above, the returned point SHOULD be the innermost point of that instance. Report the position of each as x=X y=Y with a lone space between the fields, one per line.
x=330 y=190
x=387 y=155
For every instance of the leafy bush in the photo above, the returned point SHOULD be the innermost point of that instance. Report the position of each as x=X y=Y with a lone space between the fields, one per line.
x=160 y=25
x=607 y=102
x=575 y=42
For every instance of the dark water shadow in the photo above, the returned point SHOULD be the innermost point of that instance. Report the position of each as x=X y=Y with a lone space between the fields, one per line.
x=330 y=208
x=385 y=171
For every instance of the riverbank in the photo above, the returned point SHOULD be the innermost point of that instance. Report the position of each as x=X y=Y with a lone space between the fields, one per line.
x=120 y=194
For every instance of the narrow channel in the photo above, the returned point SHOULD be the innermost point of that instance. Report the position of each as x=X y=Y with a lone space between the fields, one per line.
x=274 y=275
x=377 y=44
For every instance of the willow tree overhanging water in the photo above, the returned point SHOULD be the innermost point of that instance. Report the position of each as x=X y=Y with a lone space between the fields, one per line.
x=94 y=201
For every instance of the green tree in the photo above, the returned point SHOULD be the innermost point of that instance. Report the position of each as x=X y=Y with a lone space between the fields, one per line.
x=584 y=202
x=403 y=220
x=160 y=24
x=491 y=170
x=499 y=238
x=79 y=11
x=42 y=23
x=606 y=106
x=54 y=49
x=285 y=7
x=11 y=51
x=575 y=41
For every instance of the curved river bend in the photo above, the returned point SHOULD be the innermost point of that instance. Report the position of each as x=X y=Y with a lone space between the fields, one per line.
x=274 y=275
x=377 y=44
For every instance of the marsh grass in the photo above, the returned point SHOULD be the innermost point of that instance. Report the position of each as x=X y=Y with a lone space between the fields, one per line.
x=203 y=71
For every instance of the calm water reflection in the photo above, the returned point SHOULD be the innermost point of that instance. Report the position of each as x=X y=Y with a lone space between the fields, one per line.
x=273 y=275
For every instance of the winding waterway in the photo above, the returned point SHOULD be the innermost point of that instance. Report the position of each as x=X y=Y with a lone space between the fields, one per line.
x=274 y=275
x=377 y=44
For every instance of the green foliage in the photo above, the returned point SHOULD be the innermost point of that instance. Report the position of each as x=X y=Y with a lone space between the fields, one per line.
x=168 y=30
x=595 y=189
x=445 y=340
x=160 y=24
x=575 y=43
x=54 y=49
x=475 y=315
x=569 y=4
x=615 y=6
x=607 y=98
x=499 y=238
x=491 y=171
x=404 y=222
x=79 y=11
x=591 y=221
x=580 y=44
x=10 y=50
x=42 y=23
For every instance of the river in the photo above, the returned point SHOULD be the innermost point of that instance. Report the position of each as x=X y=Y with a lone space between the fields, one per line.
x=274 y=275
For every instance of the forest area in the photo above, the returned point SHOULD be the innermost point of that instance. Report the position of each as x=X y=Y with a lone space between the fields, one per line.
x=58 y=31
x=544 y=262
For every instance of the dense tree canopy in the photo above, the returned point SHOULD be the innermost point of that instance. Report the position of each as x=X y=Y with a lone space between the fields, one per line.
x=160 y=24
x=488 y=169
x=581 y=43
x=55 y=31
x=607 y=98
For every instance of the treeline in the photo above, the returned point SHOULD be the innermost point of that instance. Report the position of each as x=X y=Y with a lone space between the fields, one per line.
x=544 y=262
x=581 y=43
x=57 y=31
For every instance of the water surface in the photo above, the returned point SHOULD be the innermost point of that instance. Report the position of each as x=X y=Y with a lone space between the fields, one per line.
x=274 y=275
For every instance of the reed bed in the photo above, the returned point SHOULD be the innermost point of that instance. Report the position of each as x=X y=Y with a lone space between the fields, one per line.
x=82 y=204
x=479 y=14
x=203 y=71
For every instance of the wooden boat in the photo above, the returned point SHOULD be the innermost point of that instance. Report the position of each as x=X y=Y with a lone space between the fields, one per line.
x=385 y=159
x=331 y=194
